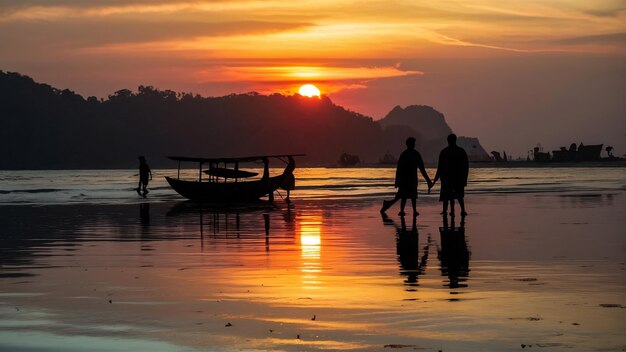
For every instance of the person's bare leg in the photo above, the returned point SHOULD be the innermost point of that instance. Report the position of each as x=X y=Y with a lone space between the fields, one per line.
x=402 y=205
x=445 y=208
x=462 y=204
x=145 y=190
x=451 y=207
x=413 y=201
x=388 y=203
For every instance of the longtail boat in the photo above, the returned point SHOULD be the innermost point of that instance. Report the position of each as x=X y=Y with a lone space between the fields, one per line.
x=223 y=184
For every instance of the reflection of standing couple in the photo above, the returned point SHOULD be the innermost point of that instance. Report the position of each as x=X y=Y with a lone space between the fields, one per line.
x=452 y=170
x=452 y=252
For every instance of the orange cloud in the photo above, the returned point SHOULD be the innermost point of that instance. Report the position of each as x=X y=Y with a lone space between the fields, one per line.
x=287 y=78
x=300 y=73
x=194 y=42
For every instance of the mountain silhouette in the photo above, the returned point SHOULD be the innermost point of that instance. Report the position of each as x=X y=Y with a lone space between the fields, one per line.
x=426 y=119
x=48 y=128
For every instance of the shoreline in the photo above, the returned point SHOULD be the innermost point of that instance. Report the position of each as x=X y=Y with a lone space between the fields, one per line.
x=473 y=164
x=119 y=186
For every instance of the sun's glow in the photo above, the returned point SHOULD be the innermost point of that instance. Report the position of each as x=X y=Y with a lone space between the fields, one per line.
x=310 y=230
x=309 y=90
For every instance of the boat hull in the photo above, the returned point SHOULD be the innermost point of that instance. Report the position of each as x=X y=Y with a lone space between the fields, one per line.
x=227 y=191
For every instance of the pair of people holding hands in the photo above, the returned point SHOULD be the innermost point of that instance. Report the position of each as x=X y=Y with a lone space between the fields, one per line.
x=452 y=170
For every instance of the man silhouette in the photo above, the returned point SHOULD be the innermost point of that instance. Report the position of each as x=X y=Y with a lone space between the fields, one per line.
x=406 y=178
x=145 y=174
x=453 y=169
x=289 y=182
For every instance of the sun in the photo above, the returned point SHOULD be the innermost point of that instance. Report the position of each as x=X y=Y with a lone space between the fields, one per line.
x=309 y=90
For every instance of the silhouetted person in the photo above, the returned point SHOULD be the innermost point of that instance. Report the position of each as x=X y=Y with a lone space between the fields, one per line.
x=453 y=254
x=145 y=175
x=266 y=168
x=406 y=178
x=289 y=182
x=452 y=169
x=266 y=179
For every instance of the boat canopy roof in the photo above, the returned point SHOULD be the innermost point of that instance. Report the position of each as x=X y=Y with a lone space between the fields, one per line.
x=229 y=173
x=230 y=160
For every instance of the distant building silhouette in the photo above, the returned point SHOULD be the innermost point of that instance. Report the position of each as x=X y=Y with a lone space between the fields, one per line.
x=346 y=159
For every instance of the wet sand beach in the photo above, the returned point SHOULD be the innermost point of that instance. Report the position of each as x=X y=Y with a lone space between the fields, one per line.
x=541 y=270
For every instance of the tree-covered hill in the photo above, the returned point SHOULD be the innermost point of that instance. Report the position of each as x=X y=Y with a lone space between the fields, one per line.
x=48 y=128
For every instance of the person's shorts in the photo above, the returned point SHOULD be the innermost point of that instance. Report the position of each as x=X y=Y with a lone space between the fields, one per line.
x=449 y=192
x=407 y=192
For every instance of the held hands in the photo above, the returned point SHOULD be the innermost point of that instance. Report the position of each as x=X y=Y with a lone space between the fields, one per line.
x=432 y=183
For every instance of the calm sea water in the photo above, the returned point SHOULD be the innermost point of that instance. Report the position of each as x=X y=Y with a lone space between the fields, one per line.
x=86 y=264
x=117 y=186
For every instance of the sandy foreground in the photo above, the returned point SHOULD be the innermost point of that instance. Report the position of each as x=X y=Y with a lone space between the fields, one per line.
x=525 y=271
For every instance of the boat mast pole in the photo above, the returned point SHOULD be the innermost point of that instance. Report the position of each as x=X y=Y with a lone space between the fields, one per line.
x=178 y=170
x=237 y=191
x=266 y=175
x=200 y=173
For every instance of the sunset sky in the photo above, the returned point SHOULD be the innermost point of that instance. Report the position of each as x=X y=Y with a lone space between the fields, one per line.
x=513 y=73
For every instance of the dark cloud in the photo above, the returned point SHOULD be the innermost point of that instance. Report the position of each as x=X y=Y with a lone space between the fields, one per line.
x=612 y=38
x=433 y=12
x=76 y=3
x=8 y=7
x=612 y=12
x=95 y=32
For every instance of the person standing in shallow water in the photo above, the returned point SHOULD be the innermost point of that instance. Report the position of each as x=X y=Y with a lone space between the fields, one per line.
x=406 y=178
x=453 y=170
x=145 y=175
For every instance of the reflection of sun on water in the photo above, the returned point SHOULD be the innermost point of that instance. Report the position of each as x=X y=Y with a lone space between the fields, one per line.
x=310 y=231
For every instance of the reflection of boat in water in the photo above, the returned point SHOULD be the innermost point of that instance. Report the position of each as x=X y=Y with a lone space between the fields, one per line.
x=243 y=221
x=192 y=208
x=346 y=159
x=388 y=159
x=218 y=218
x=218 y=188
